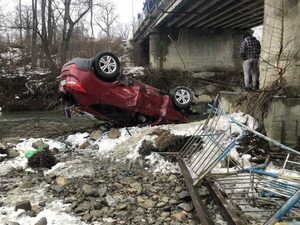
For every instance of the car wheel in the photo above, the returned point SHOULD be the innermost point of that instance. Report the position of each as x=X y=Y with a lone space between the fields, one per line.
x=182 y=97
x=107 y=66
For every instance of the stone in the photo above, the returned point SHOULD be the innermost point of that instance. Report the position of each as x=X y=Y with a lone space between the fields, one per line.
x=185 y=196
x=114 y=133
x=40 y=144
x=85 y=145
x=11 y=223
x=96 y=135
x=108 y=220
x=87 y=217
x=148 y=204
x=96 y=213
x=1 y=204
x=25 y=205
x=186 y=207
x=161 y=204
x=102 y=191
x=42 y=221
x=179 y=216
x=165 y=214
x=178 y=189
x=139 y=199
x=83 y=207
x=88 y=190
x=26 y=184
x=61 y=181
x=110 y=201
x=2 y=148
x=165 y=199
x=12 y=153
x=57 y=189
x=122 y=206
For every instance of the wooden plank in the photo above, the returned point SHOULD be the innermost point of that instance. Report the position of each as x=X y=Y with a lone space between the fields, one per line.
x=202 y=212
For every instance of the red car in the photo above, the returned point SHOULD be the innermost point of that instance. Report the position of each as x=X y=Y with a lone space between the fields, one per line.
x=97 y=87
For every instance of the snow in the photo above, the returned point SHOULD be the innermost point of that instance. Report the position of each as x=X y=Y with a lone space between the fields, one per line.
x=77 y=139
x=122 y=149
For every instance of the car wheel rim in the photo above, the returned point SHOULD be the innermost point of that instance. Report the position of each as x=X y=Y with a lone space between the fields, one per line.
x=182 y=96
x=108 y=64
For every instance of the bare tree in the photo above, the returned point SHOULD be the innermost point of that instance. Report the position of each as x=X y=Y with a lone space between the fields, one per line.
x=69 y=23
x=34 y=34
x=20 y=20
x=106 y=18
x=123 y=31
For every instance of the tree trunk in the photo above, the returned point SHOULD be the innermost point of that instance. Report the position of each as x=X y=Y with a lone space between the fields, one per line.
x=34 y=35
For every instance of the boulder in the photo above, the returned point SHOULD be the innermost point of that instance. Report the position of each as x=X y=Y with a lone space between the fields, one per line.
x=114 y=133
x=85 y=145
x=61 y=181
x=88 y=190
x=186 y=207
x=40 y=144
x=148 y=204
x=25 y=205
x=12 y=153
x=42 y=221
x=96 y=135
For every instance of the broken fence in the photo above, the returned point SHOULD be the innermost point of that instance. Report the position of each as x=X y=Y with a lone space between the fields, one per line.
x=251 y=196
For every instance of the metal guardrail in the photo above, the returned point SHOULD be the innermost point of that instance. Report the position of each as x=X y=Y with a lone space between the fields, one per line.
x=251 y=196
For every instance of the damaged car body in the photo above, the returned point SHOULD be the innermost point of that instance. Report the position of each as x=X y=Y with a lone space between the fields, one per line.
x=97 y=87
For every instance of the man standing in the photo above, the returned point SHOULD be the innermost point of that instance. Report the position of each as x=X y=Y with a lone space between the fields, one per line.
x=250 y=52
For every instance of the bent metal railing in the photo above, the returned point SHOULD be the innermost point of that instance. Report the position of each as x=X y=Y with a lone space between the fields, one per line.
x=253 y=191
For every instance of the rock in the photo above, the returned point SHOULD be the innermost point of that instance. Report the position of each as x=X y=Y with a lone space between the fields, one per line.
x=1 y=204
x=26 y=184
x=83 y=207
x=40 y=144
x=87 y=217
x=108 y=220
x=122 y=206
x=146 y=148
x=161 y=204
x=2 y=148
x=186 y=207
x=25 y=205
x=178 y=189
x=61 y=181
x=114 y=133
x=43 y=159
x=172 y=177
x=88 y=190
x=96 y=213
x=12 y=153
x=85 y=145
x=139 y=199
x=131 y=190
x=185 y=196
x=42 y=204
x=173 y=202
x=165 y=214
x=110 y=201
x=42 y=221
x=102 y=191
x=180 y=216
x=96 y=135
x=165 y=199
x=11 y=223
x=148 y=204
x=57 y=189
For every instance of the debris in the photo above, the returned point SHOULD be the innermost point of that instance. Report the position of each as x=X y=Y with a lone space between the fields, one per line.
x=44 y=159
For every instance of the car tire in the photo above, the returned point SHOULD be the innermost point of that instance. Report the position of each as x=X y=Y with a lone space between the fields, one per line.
x=107 y=66
x=182 y=97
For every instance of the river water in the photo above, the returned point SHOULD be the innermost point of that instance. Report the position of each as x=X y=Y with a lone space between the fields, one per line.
x=41 y=123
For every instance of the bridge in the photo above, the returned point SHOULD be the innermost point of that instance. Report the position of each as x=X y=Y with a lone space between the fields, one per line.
x=188 y=34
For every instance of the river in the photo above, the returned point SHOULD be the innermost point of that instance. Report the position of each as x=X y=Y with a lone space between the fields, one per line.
x=41 y=124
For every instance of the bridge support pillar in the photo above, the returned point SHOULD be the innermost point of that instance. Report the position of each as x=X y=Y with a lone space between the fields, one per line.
x=281 y=44
x=196 y=50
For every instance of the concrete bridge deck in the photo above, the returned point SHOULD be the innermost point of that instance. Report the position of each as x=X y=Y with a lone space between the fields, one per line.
x=201 y=14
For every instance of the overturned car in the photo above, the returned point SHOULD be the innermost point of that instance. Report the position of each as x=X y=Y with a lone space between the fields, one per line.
x=97 y=87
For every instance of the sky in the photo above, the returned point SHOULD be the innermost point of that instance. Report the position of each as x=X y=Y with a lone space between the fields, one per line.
x=125 y=8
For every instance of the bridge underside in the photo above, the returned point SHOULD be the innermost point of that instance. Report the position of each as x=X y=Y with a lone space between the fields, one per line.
x=206 y=33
